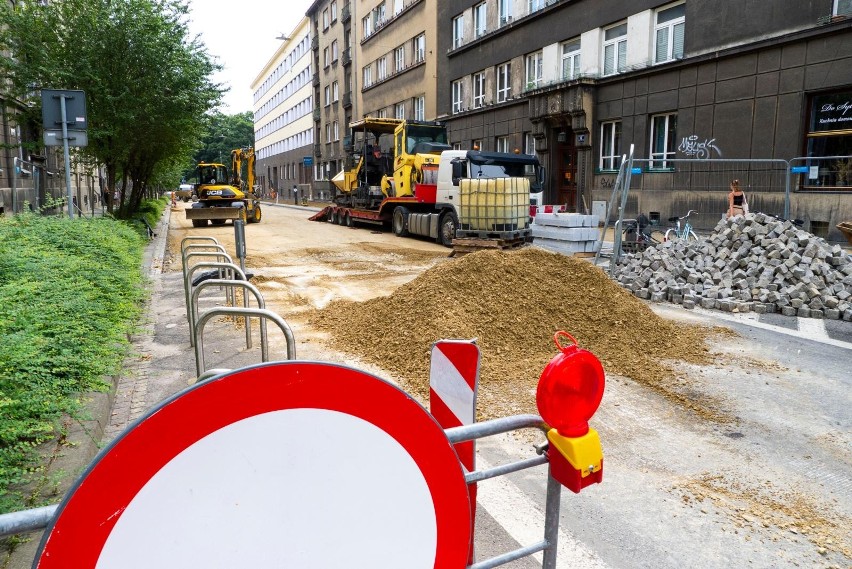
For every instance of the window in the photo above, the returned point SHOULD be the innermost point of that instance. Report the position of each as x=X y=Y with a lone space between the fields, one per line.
x=328 y=133
x=381 y=68
x=335 y=92
x=610 y=145
x=368 y=76
x=325 y=58
x=571 y=60
x=399 y=59
x=336 y=130
x=420 y=108
x=399 y=111
x=327 y=95
x=325 y=19
x=458 y=96
x=501 y=144
x=333 y=11
x=419 y=45
x=504 y=9
x=669 y=34
x=615 y=49
x=397 y=7
x=379 y=16
x=479 y=19
x=334 y=51
x=504 y=82
x=476 y=144
x=663 y=139
x=382 y=113
x=534 y=67
x=535 y=5
x=367 y=26
x=842 y=7
x=529 y=148
x=458 y=31
x=478 y=90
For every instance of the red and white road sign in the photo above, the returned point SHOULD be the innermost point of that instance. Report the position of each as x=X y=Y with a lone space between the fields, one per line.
x=453 y=383
x=291 y=464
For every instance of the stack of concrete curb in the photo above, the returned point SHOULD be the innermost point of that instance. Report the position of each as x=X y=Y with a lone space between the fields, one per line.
x=569 y=233
x=750 y=263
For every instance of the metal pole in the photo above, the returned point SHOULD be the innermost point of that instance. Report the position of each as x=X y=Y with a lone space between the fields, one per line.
x=67 y=156
x=551 y=522
x=14 y=182
x=787 y=191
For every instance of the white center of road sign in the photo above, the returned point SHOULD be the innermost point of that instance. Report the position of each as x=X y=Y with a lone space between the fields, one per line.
x=233 y=492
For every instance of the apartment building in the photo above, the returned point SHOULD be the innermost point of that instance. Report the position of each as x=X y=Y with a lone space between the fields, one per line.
x=283 y=114
x=396 y=58
x=331 y=24
x=579 y=82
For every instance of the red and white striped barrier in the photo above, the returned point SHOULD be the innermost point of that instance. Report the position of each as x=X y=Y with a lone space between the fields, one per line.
x=534 y=209
x=453 y=382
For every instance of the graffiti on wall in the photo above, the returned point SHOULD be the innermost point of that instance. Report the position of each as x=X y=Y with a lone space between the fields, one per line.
x=693 y=147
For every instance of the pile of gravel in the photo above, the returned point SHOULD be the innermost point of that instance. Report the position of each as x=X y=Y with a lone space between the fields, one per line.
x=750 y=263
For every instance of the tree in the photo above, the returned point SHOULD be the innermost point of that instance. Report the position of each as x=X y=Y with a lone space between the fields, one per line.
x=148 y=85
x=224 y=133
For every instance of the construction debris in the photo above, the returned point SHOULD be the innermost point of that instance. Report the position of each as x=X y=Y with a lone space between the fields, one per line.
x=750 y=263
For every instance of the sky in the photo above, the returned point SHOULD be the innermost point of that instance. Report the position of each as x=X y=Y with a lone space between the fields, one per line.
x=241 y=35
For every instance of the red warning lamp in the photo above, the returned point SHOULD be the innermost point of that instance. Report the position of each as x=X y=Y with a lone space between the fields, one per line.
x=569 y=392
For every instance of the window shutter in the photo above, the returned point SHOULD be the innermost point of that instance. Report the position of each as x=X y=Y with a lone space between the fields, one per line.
x=662 y=45
x=677 y=51
x=609 y=59
x=622 y=55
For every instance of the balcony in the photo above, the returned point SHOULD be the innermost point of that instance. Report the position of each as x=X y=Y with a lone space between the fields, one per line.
x=346 y=13
x=317 y=114
x=315 y=43
x=346 y=56
x=316 y=80
x=347 y=99
x=318 y=150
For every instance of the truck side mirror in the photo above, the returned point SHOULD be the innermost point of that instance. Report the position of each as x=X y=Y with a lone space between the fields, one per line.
x=458 y=171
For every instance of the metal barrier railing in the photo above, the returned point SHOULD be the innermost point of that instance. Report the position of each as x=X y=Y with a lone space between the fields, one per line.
x=262 y=313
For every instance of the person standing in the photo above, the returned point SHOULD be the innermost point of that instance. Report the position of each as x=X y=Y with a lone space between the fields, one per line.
x=737 y=204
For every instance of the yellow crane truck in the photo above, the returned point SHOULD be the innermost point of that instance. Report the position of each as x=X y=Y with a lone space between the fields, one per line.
x=222 y=196
x=402 y=174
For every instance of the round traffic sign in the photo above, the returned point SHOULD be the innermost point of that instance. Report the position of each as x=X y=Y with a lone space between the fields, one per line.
x=292 y=464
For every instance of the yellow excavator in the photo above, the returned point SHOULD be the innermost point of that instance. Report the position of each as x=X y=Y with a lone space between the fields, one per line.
x=222 y=196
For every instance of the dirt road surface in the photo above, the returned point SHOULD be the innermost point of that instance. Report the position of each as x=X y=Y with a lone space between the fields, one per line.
x=736 y=462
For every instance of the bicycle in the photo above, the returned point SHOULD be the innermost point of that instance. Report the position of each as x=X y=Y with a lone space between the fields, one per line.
x=637 y=235
x=681 y=231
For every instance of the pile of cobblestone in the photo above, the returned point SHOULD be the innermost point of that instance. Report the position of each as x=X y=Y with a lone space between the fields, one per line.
x=749 y=263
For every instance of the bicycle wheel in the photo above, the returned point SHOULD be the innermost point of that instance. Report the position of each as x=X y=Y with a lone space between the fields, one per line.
x=671 y=235
x=692 y=237
x=657 y=237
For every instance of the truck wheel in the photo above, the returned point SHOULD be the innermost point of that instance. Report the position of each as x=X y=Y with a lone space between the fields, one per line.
x=341 y=217
x=256 y=215
x=333 y=217
x=217 y=221
x=447 y=228
x=400 y=221
x=349 y=222
x=199 y=223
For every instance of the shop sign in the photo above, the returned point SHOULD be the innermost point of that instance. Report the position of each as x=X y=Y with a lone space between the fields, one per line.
x=832 y=112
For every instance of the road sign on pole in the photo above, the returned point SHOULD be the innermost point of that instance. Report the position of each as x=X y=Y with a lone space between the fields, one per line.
x=65 y=112
x=289 y=464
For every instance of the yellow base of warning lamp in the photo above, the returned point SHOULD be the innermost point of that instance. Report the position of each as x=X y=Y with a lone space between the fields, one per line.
x=569 y=392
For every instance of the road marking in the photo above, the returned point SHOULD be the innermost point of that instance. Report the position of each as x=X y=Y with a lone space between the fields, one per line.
x=813 y=329
x=524 y=521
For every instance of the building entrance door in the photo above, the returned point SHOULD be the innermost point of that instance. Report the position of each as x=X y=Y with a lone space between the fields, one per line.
x=567 y=172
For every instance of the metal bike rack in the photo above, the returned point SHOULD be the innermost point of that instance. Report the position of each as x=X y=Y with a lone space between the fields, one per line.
x=197 y=238
x=214 y=256
x=231 y=270
x=197 y=248
x=261 y=313
x=196 y=292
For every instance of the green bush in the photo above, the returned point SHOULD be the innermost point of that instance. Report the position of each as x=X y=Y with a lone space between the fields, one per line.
x=70 y=291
